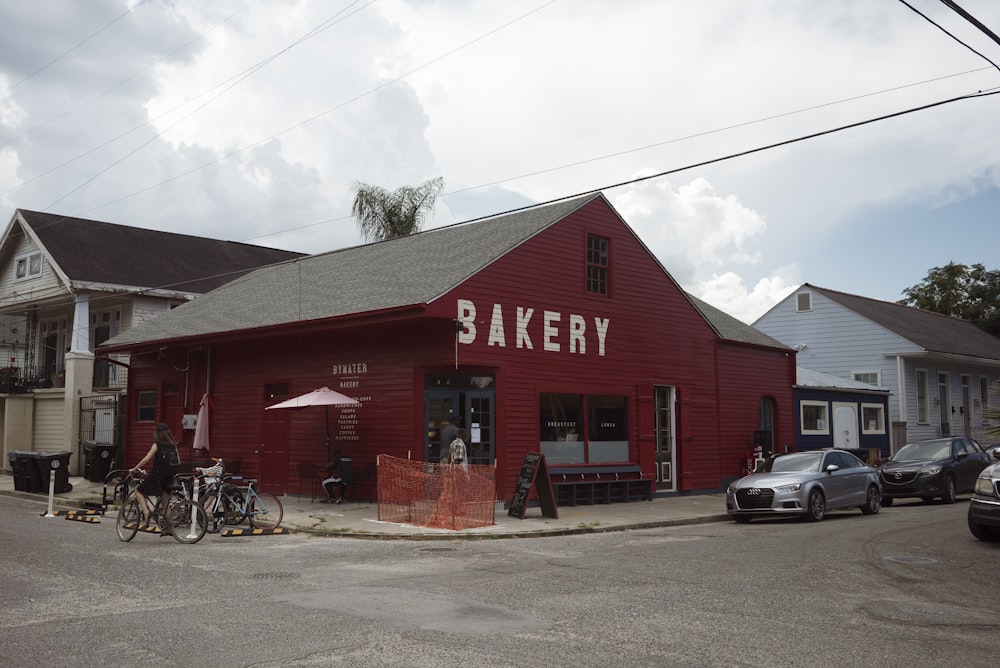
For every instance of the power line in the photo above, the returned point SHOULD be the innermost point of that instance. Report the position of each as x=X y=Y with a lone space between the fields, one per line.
x=74 y=47
x=326 y=112
x=238 y=80
x=954 y=6
x=73 y=110
x=740 y=154
x=942 y=29
x=660 y=174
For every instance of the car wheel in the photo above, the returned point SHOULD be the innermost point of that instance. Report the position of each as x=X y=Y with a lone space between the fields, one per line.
x=886 y=501
x=982 y=532
x=949 y=490
x=815 y=506
x=741 y=519
x=873 y=503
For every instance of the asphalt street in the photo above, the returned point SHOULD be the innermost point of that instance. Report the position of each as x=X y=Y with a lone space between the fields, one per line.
x=907 y=587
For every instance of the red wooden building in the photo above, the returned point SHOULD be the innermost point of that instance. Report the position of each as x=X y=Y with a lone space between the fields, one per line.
x=552 y=329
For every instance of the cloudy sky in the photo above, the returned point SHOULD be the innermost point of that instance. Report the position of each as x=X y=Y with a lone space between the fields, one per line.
x=251 y=120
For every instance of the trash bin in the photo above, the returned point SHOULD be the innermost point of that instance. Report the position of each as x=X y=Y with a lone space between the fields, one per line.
x=58 y=462
x=97 y=460
x=26 y=476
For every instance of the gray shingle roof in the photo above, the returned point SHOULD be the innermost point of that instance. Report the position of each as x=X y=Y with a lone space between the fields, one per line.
x=820 y=380
x=407 y=271
x=933 y=332
x=733 y=329
x=91 y=251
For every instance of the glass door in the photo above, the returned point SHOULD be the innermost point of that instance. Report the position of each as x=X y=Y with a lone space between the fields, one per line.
x=470 y=399
x=664 y=406
x=479 y=409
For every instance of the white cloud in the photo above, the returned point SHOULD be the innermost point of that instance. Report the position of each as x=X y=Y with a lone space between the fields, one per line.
x=510 y=102
x=692 y=230
x=729 y=293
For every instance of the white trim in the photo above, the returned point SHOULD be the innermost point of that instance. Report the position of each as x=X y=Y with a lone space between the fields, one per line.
x=824 y=422
x=865 y=429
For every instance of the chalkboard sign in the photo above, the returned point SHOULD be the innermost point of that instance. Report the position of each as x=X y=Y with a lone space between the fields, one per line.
x=533 y=470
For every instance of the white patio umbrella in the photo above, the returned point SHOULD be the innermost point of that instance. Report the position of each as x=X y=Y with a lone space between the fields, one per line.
x=324 y=397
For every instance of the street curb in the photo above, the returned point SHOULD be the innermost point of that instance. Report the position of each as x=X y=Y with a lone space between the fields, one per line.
x=417 y=537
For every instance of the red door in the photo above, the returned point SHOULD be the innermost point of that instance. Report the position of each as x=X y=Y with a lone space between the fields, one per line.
x=272 y=455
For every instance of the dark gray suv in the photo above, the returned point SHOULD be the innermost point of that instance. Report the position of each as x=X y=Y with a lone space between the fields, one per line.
x=939 y=468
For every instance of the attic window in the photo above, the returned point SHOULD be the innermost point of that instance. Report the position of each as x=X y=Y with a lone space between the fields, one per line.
x=597 y=264
x=27 y=266
x=803 y=302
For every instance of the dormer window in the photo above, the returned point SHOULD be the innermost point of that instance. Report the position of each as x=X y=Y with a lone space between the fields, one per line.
x=27 y=266
x=597 y=264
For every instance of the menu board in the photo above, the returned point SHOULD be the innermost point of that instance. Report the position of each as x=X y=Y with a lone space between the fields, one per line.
x=534 y=472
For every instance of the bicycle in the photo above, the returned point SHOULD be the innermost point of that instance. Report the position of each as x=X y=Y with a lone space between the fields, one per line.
x=232 y=504
x=220 y=511
x=187 y=520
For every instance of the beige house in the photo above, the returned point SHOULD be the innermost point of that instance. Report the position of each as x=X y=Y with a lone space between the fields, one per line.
x=68 y=284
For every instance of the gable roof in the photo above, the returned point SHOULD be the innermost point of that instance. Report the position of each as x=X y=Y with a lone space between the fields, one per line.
x=95 y=253
x=410 y=271
x=934 y=332
x=731 y=328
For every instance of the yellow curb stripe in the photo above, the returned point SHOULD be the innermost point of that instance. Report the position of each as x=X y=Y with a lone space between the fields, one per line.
x=253 y=532
x=71 y=513
x=90 y=519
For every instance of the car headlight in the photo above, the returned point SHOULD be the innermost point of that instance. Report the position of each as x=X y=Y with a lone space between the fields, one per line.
x=933 y=469
x=789 y=488
x=730 y=490
x=985 y=487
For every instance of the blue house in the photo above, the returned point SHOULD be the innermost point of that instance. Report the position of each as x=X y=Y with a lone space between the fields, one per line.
x=831 y=411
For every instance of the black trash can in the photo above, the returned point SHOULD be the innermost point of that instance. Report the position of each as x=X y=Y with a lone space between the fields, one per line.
x=58 y=462
x=97 y=460
x=26 y=475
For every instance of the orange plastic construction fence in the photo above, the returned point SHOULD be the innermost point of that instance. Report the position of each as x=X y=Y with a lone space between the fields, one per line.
x=442 y=496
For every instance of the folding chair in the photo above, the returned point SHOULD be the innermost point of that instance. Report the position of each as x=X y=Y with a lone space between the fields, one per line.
x=308 y=475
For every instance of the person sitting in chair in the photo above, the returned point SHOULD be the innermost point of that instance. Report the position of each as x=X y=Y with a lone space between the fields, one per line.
x=334 y=483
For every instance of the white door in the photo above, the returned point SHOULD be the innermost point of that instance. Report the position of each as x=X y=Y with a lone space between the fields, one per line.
x=845 y=426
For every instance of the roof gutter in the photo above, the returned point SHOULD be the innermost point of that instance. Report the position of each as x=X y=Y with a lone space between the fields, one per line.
x=368 y=318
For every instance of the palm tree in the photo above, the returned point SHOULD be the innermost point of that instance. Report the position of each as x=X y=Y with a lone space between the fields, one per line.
x=385 y=215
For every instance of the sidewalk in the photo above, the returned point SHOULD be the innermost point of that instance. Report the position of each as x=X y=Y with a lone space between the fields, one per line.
x=360 y=519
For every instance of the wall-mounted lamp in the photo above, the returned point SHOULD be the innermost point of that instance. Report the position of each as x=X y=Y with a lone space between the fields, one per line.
x=975 y=402
x=801 y=346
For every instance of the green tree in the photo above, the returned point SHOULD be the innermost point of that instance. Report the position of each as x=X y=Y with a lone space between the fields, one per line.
x=384 y=214
x=971 y=292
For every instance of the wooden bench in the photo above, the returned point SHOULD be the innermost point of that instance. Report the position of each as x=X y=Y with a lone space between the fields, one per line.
x=599 y=484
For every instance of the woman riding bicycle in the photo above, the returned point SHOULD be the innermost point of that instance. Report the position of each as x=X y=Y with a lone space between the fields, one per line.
x=166 y=461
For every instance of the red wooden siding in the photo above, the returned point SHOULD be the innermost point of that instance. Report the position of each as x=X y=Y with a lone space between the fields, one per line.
x=655 y=337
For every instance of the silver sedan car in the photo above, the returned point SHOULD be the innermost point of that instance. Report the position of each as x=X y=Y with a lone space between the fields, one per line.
x=807 y=484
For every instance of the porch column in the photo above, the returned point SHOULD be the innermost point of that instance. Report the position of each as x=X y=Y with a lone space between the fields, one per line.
x=79 y=383
x=81 y=326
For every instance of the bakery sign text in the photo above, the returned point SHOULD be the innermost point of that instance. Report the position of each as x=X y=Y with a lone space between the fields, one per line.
x=522 y=327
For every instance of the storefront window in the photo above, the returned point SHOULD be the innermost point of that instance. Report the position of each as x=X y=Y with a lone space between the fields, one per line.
x=607 y=429
x=578 y=429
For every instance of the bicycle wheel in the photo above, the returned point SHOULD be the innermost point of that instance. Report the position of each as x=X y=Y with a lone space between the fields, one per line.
x=215 y=507
x=265 y=511
x=129 y=517
x=188 y=521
